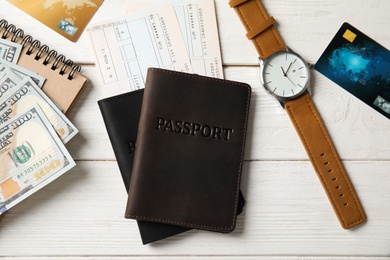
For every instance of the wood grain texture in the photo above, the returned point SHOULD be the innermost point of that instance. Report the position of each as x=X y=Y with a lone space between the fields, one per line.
x=197 y=257
x=287 y=215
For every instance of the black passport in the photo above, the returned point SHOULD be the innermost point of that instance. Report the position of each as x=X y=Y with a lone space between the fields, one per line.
x=121 y=117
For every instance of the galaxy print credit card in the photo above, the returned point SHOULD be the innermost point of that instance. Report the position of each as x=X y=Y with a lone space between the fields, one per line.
x=359 y=65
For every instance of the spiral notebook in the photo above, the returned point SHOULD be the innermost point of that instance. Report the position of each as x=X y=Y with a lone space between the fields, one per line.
x=63 y=78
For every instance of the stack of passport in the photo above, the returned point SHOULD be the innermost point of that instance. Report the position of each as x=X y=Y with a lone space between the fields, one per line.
x=179 y=144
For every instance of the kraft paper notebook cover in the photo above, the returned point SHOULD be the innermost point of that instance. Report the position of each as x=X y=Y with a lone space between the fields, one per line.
x=121 y=117
x=63 y=79
x=190 y=150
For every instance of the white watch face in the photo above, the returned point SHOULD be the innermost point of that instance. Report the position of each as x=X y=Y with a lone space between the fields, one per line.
x=285 y=74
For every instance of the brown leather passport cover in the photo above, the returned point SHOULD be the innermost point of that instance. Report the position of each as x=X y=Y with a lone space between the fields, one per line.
x=190 y=149
x=121 y=117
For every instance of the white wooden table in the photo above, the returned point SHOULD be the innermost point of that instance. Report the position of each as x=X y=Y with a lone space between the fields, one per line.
x=287 y=215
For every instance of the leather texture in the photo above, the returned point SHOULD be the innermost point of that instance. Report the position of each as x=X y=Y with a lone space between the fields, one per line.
x=326 y=161
x=306 y=119
x=187 y=165
x=121 y=117
x=259 y=27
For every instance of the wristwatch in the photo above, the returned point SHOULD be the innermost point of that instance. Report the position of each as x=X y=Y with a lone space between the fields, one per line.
x=286 y=76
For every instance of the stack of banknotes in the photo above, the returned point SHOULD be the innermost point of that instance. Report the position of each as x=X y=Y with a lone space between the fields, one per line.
x=33 y=132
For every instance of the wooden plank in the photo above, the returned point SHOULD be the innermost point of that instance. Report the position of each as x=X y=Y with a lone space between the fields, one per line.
x=174 y=257
x=287 y=213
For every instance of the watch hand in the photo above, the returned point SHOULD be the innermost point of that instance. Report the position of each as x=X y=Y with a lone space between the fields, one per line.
x=290 y=80
x=288 y=68
x=284 y=73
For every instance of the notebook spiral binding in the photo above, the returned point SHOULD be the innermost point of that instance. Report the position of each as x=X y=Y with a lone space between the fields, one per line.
x=60 y=61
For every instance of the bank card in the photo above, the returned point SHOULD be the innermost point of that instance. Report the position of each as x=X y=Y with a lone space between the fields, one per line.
x=359 y=65
x=31 y=156
x=67 y=17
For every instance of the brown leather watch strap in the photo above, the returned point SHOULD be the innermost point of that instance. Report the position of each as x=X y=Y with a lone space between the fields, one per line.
x=311 y=130
x=259 y=26
x=326 y=161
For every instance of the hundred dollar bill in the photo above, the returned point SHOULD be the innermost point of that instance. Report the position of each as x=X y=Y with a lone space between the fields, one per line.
x=31 y=156
x=22 y=72
x=25 y=94
x=7 y=83
x=10 y=51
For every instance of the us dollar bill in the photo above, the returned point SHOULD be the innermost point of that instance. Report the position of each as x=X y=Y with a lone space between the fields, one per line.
x=31 y=156
x=7 y=83
x=25 y=94
x=10 y=51
x=22 y=72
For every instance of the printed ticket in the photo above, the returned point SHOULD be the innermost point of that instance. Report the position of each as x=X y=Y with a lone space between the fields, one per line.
x=198 y=25
x=125 y=48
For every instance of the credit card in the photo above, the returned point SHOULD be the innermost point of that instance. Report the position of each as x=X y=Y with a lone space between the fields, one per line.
x=67 y=17
x=359 y=65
